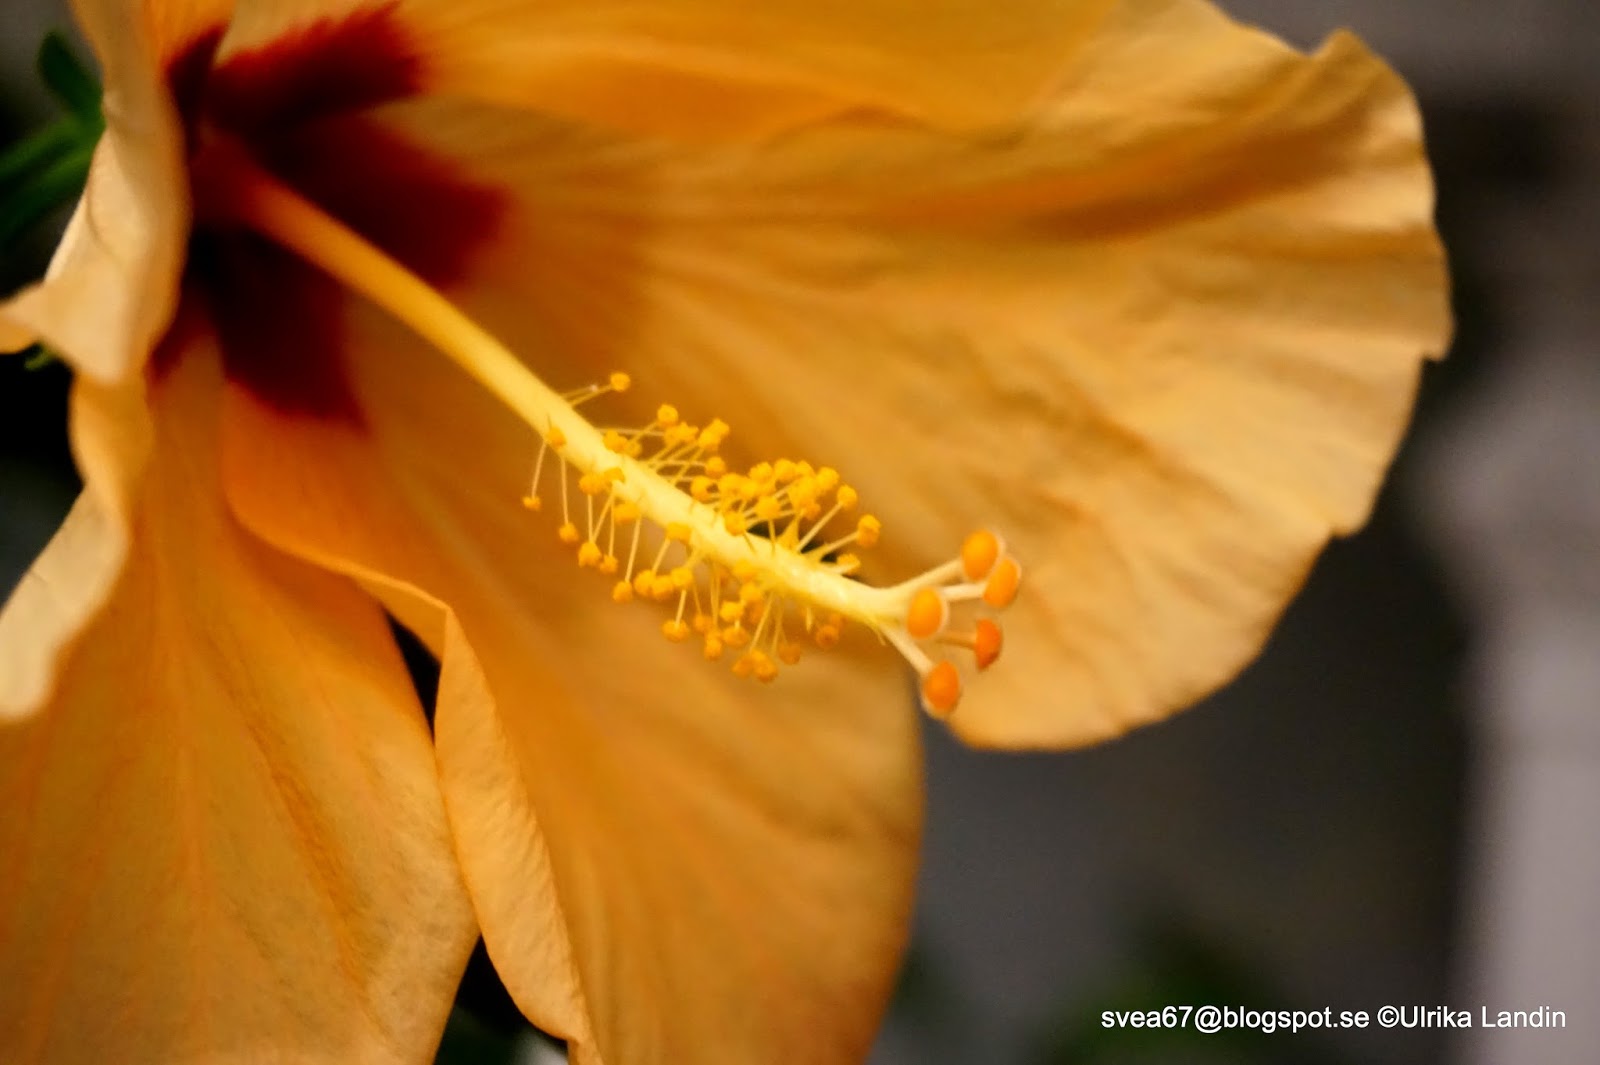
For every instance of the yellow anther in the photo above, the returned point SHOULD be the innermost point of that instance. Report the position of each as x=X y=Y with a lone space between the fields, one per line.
x=735 y=595
x=927 y=615
x=712 y=436
x=532 y=502
x=765 y=669
x=1001 y=587
x=941 y=690
x=986 y=643
x=979 y=552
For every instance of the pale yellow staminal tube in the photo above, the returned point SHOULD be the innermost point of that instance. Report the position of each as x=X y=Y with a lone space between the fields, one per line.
x=248 y=195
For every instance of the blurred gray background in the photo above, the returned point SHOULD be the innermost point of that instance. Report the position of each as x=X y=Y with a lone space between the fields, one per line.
x=1398 y=803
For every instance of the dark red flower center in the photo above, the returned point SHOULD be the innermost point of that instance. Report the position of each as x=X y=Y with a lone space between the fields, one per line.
x=304 y=107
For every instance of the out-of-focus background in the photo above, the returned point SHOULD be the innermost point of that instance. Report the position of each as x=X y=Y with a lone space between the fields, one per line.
x=1399 y=803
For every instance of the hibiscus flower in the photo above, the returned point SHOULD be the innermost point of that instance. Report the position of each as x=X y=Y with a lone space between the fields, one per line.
x=1120 y=292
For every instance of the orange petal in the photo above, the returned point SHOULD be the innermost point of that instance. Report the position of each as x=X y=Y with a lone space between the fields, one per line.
x=125 y=36
x=1164 y=334
x=224 y=836
x=112 y=286
x=71 y=580
x=723 y=67
x=662 y=858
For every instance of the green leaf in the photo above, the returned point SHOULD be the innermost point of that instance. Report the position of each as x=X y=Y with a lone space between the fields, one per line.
x=43 y=191
x=68 y=79
x=39 y=149
x=48 y=168
x=38 y=357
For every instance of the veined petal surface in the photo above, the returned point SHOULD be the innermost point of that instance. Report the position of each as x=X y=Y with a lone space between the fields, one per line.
x=709 y=68
x=224 y=837
x=1163 y=332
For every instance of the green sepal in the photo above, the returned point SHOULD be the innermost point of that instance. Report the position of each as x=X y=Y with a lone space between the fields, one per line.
x=39 y=149
x=38 y=357
x=69 y=80
x=59 y=182
x=47 y=169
